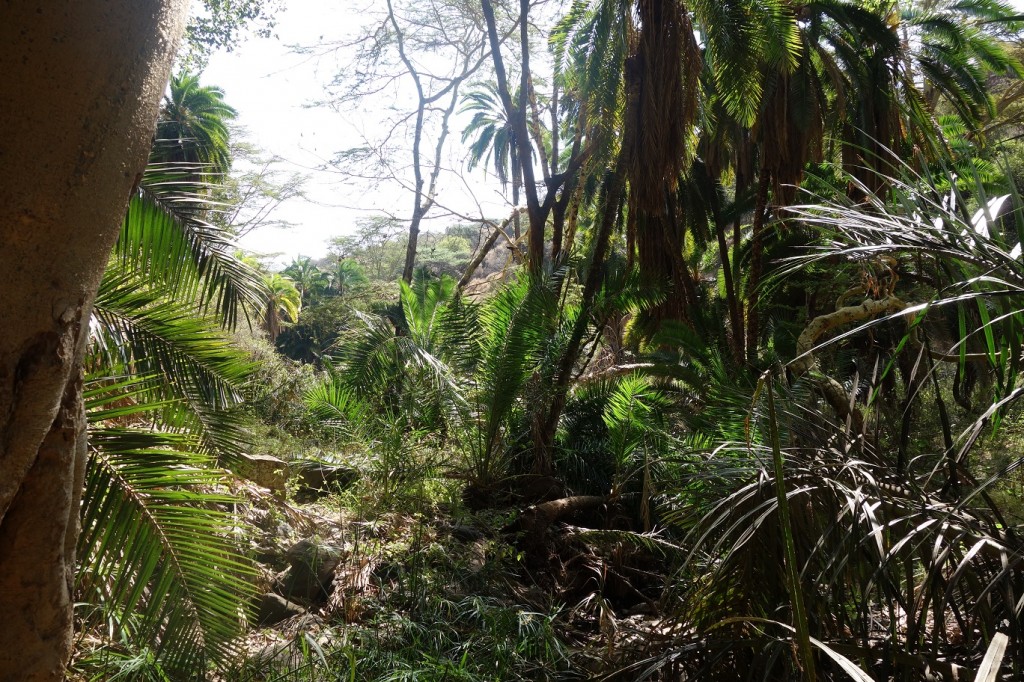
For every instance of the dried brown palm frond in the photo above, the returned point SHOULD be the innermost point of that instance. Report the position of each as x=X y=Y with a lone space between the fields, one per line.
x=665 y=65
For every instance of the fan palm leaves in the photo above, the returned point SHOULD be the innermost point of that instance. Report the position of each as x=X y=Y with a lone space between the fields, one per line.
x=911 y=568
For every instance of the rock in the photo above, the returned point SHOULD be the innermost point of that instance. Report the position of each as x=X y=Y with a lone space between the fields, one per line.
x=310 y=573
x=273 y=608
x=317 y=478
x=465 y=533
x=263 y=470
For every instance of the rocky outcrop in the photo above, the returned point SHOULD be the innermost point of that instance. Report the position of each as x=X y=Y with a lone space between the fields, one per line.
x=317 y=478
x=310 y=572
x=263 y=470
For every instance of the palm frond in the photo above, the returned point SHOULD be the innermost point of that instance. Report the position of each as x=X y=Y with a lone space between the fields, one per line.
x=516 y=336
x=144 y=332
x=912 y=568
x=157 y=550
x=335 y=404
x=167 y=243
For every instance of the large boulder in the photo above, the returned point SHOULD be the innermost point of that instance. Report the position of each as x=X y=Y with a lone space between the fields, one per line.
x=263 y=470
x=317 y=478
x=310 y=571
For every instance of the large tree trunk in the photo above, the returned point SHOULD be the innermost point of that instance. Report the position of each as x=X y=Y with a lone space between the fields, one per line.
x=77 y=110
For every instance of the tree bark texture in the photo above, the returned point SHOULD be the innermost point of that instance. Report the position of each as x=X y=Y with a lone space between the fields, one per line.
x=82 y=83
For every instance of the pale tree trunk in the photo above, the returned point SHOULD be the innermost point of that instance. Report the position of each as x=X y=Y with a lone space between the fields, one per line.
x=82 y=80
x=472 y=59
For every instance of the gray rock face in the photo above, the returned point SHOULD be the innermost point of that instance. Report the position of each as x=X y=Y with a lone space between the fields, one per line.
x=263 y=470
x=317 y=479
x=310 y=573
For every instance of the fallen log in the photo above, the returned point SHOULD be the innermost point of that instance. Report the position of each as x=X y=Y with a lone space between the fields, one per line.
x=535 y=519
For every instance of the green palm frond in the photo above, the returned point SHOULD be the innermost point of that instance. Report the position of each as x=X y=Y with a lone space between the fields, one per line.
x=958 y=44
x=157 y=551
x=335 y=404
x=379 y=362
x=308 y=278
x=423 y=302
x=494 y=140
x=346 y=276
x=168 y=244
x=460 y=335
x=635 y=420
x=516 y=337
x=147 y=334
x=970 y=258
x=590 y=44
x=739 y=35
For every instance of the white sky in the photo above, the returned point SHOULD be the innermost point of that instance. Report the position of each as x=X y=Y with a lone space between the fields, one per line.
x=272 y=87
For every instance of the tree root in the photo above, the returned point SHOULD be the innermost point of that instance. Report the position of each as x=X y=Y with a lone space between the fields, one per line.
x=805 y=362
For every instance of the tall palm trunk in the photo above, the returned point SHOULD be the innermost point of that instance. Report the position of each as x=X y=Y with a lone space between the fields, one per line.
x=756 y=264
x=517 y=183
x=731 y=297
x=666 y=59
x=79 y=117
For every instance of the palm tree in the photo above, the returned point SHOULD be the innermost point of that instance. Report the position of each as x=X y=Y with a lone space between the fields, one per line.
x=457 y=368
x=308 y=278
x=282 y=304
x=156 y=556
x=495 y=140
x=193 y=126
x=347 y=274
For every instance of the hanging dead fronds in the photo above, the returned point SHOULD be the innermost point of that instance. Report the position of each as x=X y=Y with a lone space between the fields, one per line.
x=666 y=65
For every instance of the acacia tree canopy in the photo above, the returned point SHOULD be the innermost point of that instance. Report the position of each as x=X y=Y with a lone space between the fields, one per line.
x=223 y=25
